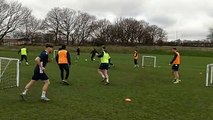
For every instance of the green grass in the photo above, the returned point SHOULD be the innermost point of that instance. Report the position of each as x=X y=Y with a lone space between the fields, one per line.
x=154 y=96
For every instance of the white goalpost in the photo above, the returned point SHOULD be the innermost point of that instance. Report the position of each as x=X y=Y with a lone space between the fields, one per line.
x=153 y=58
x=9 y=72
x=55 y=52
x=209 y=75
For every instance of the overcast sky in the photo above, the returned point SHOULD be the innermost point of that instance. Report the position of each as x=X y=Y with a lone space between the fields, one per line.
x=182 y=19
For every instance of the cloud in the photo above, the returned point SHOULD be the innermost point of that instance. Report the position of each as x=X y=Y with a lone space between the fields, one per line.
x=192 y=18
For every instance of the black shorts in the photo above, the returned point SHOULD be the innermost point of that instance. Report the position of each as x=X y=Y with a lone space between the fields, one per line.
x=104 y=66
x=39 y=76
x=135 y=61
x=175 y=67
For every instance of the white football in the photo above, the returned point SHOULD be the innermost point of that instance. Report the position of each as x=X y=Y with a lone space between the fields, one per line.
x=128 y=100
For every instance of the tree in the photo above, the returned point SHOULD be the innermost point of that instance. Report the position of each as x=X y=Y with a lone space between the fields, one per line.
x=210 y=35
x=84 y=27
x=68 y=22
x=12 y=17
x=32 y=25
x=100 y=35
x=52 y=22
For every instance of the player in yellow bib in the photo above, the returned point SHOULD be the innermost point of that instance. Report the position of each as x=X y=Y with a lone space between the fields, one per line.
x=104 y=66
x=23 y=52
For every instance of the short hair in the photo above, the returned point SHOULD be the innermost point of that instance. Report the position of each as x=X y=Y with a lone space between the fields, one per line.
x=174 y=48
x=49 y=45
x=104 y=47
x=63 y=47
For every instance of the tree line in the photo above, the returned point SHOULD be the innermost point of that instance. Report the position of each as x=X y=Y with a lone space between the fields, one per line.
x=65 y=25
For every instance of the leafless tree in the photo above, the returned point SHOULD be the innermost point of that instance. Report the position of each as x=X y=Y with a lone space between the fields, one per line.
x=84 y=27
x=68 y=22
x=210 y=35
x=12 y=17
x=100 y=33
x=32 y=25
x=52 y=22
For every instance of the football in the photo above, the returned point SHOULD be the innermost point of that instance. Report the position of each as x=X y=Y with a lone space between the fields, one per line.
x=128 y=100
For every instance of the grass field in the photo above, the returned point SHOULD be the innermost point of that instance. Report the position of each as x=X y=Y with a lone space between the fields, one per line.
x=154 y=96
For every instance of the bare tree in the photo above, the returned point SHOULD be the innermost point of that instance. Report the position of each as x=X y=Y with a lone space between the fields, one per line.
x=84 y=27
x=32 y=25
x=210 y=35
x=100 y=34
x=12 y=17
x=52 y=22
x=69 y=22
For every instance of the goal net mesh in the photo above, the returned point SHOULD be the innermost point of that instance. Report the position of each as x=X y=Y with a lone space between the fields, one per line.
x=9 y=72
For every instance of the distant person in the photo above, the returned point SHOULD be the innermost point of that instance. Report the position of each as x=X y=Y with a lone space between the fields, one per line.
x=175 y=65
x=78 y=53
x=103 y=68
x=136 y=58
x=63 y=61
x=24 y=53
x=93 y=53
x=39 y=73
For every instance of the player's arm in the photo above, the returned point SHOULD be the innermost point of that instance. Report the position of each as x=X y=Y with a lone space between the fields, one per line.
x=38 y=62
x=68 y=58
x=174 y=58
x=19 y=51
x=100 y=55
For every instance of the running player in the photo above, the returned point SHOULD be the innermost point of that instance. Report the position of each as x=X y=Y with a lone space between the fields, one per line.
x=39 y=74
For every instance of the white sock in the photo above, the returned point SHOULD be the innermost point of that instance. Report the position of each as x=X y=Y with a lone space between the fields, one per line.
x=25 y=91
x=107 y=80
x=43 y=94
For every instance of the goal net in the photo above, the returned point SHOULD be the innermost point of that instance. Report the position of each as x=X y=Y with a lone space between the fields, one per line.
x=148 y=61
x=9 y=72
x=209 y=75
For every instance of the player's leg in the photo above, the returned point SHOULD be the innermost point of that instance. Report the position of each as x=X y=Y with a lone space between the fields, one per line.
x=22 y=57
x=61 y=71
x=46 y=82
x=92 y=57
x=106 y=76
x=27 y=88
x=101 y=73
x=66 y=67
x=176 y=74
x=135 y=62
x=25 y=57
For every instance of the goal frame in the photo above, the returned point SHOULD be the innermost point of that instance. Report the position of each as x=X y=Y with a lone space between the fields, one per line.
x=17 y=69
x=55 y=53
x=209 y=74
x=148 y=56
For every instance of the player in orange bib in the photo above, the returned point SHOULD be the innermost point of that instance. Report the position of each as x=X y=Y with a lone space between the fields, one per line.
x=175 y=65
x=136 y=58
x=63 y=60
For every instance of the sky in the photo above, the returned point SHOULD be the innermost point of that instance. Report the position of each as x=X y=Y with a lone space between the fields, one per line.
x=181 y=19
